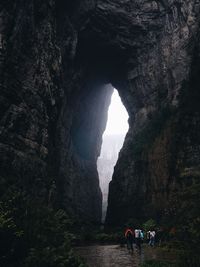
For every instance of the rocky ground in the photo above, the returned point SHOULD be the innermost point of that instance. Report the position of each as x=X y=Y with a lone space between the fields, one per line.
x=116 y=256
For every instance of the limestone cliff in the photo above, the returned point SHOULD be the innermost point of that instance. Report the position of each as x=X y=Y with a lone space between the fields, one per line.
x=53 y=111
x=106 y=162
x=55 y=59
x=147 y=178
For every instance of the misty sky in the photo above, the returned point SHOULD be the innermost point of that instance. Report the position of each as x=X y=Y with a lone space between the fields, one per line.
x=117 y=116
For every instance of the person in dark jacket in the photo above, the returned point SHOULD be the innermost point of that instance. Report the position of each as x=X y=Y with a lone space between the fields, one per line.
x=129 y=235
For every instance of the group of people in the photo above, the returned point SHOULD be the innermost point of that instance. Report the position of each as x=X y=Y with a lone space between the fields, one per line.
x=137 y=236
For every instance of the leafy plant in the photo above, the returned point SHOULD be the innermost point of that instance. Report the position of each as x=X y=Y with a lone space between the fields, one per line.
x=148 y=225
x=155 y=263
x=33 y=233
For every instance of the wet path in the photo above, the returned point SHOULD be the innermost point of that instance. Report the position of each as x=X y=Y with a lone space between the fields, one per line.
x=109 y=256
x=116 y=256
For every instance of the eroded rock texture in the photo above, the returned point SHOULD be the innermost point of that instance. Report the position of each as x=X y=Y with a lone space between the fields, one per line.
x=53 y=111
x=160 y=156
x=56 y=58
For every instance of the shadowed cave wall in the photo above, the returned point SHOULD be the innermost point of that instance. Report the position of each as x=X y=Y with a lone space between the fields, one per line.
x=56 y=58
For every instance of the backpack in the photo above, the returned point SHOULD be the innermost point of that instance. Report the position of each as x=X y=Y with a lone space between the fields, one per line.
x=141 y=235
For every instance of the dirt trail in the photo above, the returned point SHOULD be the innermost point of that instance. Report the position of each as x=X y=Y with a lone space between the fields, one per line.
x=116 y=256
x=109 y=256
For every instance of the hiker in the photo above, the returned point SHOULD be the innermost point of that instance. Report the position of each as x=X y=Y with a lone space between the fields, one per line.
x=148 y=237
x=129 y=235
x=142 y=235
x=138 y=237
x=152 y=238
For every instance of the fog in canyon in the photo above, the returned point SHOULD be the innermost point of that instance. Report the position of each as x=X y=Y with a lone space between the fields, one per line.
x=113 y=138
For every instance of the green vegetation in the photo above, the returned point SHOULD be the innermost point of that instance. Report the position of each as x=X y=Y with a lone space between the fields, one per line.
x=155 y=263
x=87 y=236
x=34 y=234
x=148 y=225
x=151 y=130
x=114 y=238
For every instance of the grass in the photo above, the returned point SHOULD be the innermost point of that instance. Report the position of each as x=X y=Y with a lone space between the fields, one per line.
x=156 y=263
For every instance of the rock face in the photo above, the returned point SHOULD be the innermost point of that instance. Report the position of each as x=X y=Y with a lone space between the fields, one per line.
x=105 y=164
x=53 y=111
x=55 y=59
x=158 y=149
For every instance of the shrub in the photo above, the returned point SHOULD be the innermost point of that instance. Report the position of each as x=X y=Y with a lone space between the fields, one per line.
x=33 y=234
x=155 y=263
x=148 y=225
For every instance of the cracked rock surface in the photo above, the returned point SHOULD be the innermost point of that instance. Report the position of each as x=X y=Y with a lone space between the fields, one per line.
x=56 y=61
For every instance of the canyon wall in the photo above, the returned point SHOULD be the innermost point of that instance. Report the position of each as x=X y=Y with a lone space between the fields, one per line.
x=106 y=162
x=53 y=111
x=160 y=158
x=55 y=59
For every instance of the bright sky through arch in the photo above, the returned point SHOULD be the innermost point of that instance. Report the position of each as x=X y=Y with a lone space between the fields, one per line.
x=117 y=116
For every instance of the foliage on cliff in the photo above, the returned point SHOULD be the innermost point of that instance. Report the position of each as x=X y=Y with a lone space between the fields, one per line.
x=33 y=234
x=147 y=135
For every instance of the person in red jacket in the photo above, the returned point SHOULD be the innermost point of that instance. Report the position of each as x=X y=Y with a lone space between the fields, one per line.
x=129 y=235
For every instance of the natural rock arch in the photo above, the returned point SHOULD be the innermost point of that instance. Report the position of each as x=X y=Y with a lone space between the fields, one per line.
x=54 y=102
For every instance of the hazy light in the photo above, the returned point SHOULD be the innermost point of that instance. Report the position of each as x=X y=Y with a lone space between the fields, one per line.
x=117 y=116
x=113 y=138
